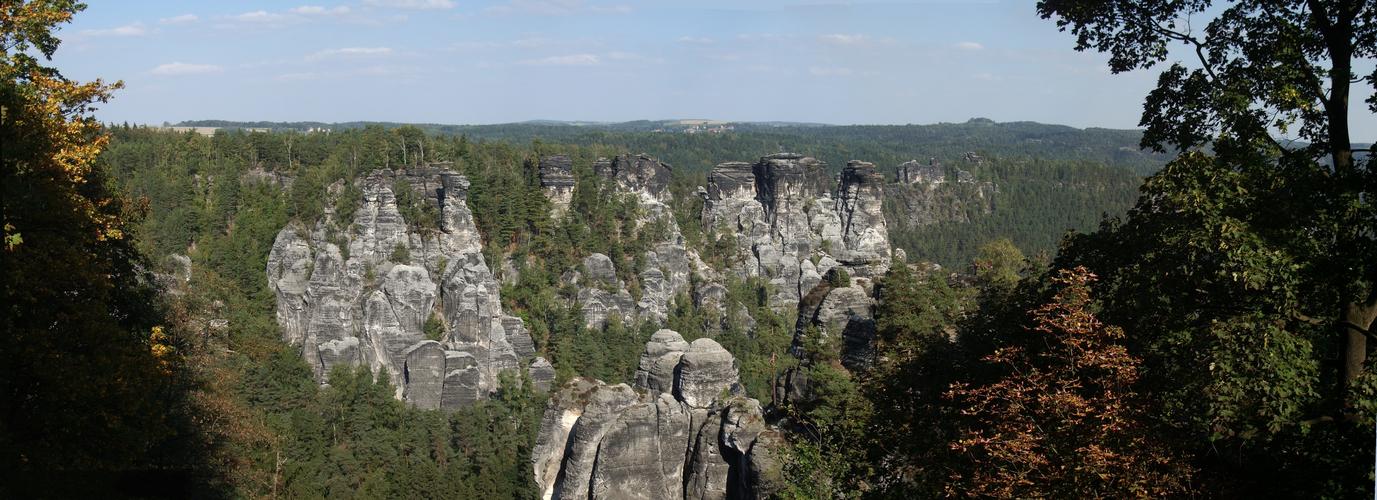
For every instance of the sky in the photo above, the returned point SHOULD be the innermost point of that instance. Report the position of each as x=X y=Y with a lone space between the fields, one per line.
x=498 y=61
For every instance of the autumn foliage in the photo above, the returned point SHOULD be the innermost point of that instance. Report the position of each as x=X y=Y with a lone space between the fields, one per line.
x=1064 y=421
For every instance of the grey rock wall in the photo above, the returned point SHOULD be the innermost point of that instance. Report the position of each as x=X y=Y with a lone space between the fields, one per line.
x=662 y=438
x=791 y=225
x=343 y=300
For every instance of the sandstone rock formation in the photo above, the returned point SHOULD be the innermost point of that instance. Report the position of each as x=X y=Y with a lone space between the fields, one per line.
x=683 y=431
x=913 y=172
x=791 y=226
x=359 y=292
x=557 y=182
x=667 y=264
x=922 y=194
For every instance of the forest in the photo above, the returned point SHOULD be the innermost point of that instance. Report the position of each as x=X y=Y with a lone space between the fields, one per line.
x=1087 y=320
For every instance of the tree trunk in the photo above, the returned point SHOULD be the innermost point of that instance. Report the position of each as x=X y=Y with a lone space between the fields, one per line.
x=1357 y=317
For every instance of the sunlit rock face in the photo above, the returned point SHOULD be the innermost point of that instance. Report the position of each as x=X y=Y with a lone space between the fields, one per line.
x=360 y=292
x=794 y=227
x=666 y=267
x=557 y=182
x=791 y=224
x=683 y=430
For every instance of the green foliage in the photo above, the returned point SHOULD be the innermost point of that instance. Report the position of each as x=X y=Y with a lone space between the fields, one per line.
x=418 y=212
x=838 y=277
x=434 y=328
x=1063 y=418
x=1033 y=202
x=998 y=266
x=1243 y=274
x=347 y=203
x=98 y=382
x=401 y=254
x=354 y=438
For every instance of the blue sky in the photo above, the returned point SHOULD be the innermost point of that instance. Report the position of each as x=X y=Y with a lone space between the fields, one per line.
x=464 y=61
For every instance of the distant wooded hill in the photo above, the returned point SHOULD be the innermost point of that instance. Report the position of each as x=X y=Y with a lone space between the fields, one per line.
x=885 y=145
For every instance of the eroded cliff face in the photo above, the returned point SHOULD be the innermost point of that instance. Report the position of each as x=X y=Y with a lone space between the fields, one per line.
x=791 y=225
x=923 y=194
x=668 y=264
x=557 y=182
x=360 y=292
x=792 y=228
x=683 y=430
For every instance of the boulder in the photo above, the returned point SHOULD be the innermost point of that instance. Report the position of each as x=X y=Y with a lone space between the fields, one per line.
x=655 y=372
x=705 y=372
x=542 y=374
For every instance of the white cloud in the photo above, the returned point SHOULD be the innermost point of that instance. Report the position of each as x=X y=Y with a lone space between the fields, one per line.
x=412 y=4
x=351 y=52
x=569 y=60
x=844 y=39
x=261 y=16
x=306 y=14
x=829 y=71
x=555 y=8
x=182 y=19
x=135 y=29
x=763 y=37
x=970 y=46
x=696 y=40
x=316 y=10
x=181 y=68
x=630 y=56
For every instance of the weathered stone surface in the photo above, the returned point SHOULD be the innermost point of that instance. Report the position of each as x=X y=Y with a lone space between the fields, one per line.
x=289 y=272
x=922 y=195
x=708 y=470
x=343 y=300
x=705 y=372
x=605 y=405
x=463 y=380
x=662 y=353
x=763 y=477
x=846 y=312
x=519 y=337
x=860 y=206
x=557 y=181
x=642 y=454
x=542 y=374
x=651 y=444
x=666 y=268
x=552 y=441
x=599 y=305
x=599 y=270
x=913 y=172
x=637 y=173
x=424 y=374
x=783 y=215
x=711 y=301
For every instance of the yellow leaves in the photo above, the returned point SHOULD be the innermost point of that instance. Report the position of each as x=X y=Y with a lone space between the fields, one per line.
x=51 y=114
x=160 y=345
x=12 y=237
